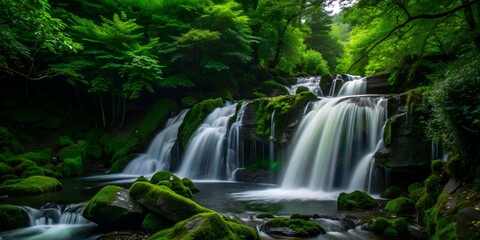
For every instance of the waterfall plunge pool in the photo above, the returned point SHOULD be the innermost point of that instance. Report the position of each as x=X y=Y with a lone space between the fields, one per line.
x=235 y=199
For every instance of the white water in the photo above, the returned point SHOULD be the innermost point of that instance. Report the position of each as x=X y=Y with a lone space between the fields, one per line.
x=235 y=156
x=333 y=147
x=272 y=147
x=312 y=83
x=158 y=155
x=204 y=156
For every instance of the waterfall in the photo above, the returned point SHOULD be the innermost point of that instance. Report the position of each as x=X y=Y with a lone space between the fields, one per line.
x=272 y=147
x=312 y=83
x=51 y=214
x=353 y=87
x=333 y=146
x=234 y=145
x=158 y=155
x=204 y=156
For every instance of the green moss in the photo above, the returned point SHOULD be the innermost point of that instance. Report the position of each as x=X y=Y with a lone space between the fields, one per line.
x=5 y=169
x=12 y=217
x=302 y=228
x=414 y=186
x=400 y=205
x=264 y=215
x=272 y=88
x=164 y=202
x=379 y=225
x=417 y=194
x=189 y=101
x=415 y=99
x=173 y=182
x=447 y=233
x=391 y=192
x=33 y=171
x=256 y=94
x=455 y=167
x=300 y=216
x=31 y=186
x=94 y=151
x=72 y=167
x=7 y=177
x=155 y=223
x=437 y=167
x=387 y=132
x=73 y=151
x=195 y=116
x=189 y=184
x=356 y=200
x=42 y=157
x=64 y=141
x=20 y=168
x=390 y=233
x=301 y=89
x=207 y=226
x=401 y=226
x=8 y=142
x=142 y=179
x=433 y=185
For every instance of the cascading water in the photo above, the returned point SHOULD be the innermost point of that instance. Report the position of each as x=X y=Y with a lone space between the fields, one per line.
x=312 y=83
x=234 y=145
x=158 y=155
x=272 y=146
x=327 y=149
x=204 y=156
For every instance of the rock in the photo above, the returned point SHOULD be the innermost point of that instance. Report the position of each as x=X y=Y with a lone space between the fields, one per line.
x=292 y=228
x=468 y=224
x=391 y=192
x=452 y=186
x=173 y=182
x=264 y=215
x=112 y=207
x=30 y=186
x=207 y=226
x=164 y=202
x=400 y=205
x=378 y=84
x=356 y=200
x=12 y=217
x=155 y=223
x=188 y=183
x=247 y=175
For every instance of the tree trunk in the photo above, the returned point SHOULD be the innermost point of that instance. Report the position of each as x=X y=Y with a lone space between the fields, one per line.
x=280 y=43
x=472 y=25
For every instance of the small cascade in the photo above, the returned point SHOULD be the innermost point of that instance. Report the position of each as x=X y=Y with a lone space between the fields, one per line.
x=204 y=156
x=338 y=80
x=52 y=214
x=272 y=147
x=158 y=155
x=334 y=144
x=312 y=83
x=353 y=87
x=234 y=145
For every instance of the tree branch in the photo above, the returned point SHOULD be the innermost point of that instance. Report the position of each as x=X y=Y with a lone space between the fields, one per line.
x=27 y=76
x=421 y=16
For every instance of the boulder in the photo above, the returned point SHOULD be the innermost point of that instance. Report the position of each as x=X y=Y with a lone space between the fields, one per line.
x=400 y=205
x=164 y=202
x=207 y=226
x=247 y=175
x=112 y=207
x=467 y=224
x=356 y=200
x=173 y=182
x=30 y=186
x=12 y=217
x=292 y=228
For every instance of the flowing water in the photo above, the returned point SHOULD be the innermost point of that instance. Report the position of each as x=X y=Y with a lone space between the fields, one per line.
x=158 y=155
x=204 y=156
x=312 y=83
x=235 y=148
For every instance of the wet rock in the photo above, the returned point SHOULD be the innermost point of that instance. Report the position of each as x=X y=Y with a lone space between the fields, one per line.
x=356 y=200
x=468 y=223
x=292 y=228
x=247 y=175
x=112 y=207
x=452 y=186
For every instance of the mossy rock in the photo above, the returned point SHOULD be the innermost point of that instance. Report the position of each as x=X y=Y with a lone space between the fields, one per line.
x=173 y=182
x=36 y=171
x=24 y=165
x=256 y=94
x=391 y=192
x=194 y=117
x=142 y=179
x=42 y=157
x=72 y=167
x=207 y=226
x=414 y=186
x=300 y=216
x=292 y=228
x=379 y=225
x=301 y=89
x=265 y=215
x=5 y=169
x=7 y=177
x=189 y=101
x=155 y=223
x=188 y=183
x=78 y=149
x=356 y=200
x=112 y=207
x=272 y=89
x=400 y=205
x=437 y=167
x=64 y=141
x=31 y=186
x=164 y=202
x=12 y=217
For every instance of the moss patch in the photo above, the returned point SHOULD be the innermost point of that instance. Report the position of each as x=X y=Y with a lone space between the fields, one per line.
x=173 y=182
x=195 y=117
x=391 y=192
x=189 y=184
x=31 y=186
x=356 y=200
x=400 y=205
x=42 y=157
x=12 y=217
x=293 y=227
x=155 y=223
x=72 y=167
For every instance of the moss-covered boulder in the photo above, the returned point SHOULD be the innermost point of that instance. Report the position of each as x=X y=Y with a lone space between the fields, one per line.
x=292 y=228
x=356 y=200
x=78 y=149
x=389 y=229
x=400 y=205
x=41 y=157
x=72 y=167
x=155 y=223
x=195 y=116
x=31 y=186
x=164 y=202
x=64 y=141
x=113 y=208
x=171 y=181
x=207 y=226
x=12 y=217
x=5 y=169
x=272 y=88
x=265 y=215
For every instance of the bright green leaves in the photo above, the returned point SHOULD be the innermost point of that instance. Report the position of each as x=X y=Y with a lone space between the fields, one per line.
x=197 y=37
